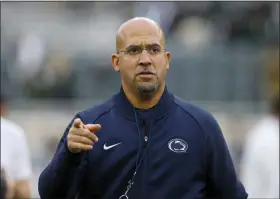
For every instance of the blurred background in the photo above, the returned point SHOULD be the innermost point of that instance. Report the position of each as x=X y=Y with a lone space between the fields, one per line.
x=56 y=61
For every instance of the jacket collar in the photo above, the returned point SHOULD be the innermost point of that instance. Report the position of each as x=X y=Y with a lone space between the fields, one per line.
x=125 y=108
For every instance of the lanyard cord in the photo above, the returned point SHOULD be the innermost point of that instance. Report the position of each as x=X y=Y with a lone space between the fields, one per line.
x=138 y=164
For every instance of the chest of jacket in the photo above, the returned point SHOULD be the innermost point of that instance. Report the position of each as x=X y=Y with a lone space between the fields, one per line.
x=171 y=155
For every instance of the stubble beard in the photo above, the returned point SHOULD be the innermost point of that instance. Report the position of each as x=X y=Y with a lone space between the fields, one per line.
x=146 y=90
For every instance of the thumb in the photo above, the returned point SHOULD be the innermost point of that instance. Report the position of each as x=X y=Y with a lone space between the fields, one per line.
x=93 y=127
x=77 y=123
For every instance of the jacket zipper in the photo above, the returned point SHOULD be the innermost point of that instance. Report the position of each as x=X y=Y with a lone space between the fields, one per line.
x=145 y=131
x=146 y=140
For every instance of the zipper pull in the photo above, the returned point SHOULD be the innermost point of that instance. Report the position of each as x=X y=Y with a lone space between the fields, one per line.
x=146 y=138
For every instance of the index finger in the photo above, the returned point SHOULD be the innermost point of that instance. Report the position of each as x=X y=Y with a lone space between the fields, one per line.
x=84 y=132
x=93 y=127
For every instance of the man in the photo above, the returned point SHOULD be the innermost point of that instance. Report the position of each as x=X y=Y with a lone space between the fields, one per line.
x=15 y=160
x=143 y=142
x=260 y=164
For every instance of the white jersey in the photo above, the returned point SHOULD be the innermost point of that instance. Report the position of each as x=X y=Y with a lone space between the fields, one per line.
x=15 y=158
x=260 y=165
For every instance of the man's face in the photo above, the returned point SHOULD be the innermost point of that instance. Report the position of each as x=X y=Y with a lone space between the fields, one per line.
x=142 y=59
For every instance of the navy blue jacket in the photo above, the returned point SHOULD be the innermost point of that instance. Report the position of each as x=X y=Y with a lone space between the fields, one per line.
x=178 y=148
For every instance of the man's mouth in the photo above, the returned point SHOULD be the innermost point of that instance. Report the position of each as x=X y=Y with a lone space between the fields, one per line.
x=145 y=73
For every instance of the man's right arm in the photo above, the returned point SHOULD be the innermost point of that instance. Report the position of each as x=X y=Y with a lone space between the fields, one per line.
x=56 y=179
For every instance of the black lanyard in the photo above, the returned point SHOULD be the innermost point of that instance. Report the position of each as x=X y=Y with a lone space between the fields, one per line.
x=138 y=164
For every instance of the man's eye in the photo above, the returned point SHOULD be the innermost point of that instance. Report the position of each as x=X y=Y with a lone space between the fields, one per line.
x=133 y=50
x=154 y=50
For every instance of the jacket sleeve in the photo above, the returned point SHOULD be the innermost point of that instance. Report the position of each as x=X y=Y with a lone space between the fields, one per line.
x=222 y=180
x=58 y=179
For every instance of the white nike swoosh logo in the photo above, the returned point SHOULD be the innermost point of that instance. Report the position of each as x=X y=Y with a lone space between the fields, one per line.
x=109 y=147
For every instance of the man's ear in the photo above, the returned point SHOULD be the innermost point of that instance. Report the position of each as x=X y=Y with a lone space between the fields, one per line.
x=168 y=56
x=115 y=62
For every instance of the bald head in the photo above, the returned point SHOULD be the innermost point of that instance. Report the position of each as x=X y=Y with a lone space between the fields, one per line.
x=138 y=26
x=140 y=46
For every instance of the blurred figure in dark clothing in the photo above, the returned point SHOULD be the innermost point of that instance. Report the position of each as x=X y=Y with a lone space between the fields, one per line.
x=3 y=185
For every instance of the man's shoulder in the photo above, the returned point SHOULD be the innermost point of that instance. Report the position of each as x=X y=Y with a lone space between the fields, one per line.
x=192 y=109
x=91 y=114
x=203 y=117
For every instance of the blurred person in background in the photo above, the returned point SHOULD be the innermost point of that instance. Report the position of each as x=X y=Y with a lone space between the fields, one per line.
x=3 y=190
x=15 y=160
x=151 y=143
x=6 y=189
x=260 y=164
x=54 y=79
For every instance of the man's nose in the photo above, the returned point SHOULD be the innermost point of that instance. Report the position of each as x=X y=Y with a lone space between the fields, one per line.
x=144 y=59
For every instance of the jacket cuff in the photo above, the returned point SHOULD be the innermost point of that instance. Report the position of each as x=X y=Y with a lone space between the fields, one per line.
x=73 y=158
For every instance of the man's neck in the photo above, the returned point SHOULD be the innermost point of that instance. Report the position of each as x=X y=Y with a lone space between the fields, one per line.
x=143 y=104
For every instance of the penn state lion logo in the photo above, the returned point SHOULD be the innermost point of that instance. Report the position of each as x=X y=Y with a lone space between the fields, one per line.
x=178 y=145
